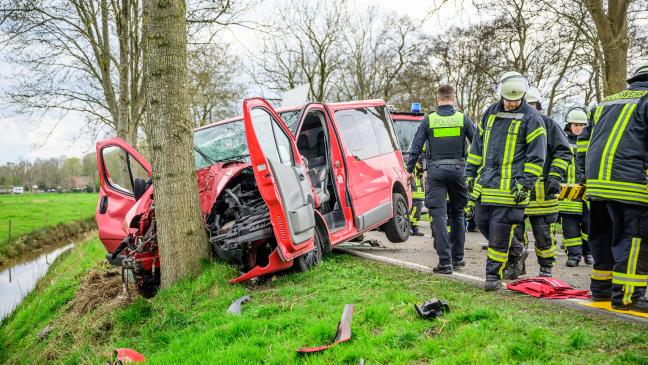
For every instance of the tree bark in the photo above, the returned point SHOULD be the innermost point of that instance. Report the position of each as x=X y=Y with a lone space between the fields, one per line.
x=181 y=236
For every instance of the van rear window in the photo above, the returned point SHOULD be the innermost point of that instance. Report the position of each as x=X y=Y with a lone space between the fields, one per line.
x=367 y=132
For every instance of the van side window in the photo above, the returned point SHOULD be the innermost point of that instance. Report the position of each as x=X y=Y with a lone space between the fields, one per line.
x=367 y=132
x=275 y=144
x=121 y=169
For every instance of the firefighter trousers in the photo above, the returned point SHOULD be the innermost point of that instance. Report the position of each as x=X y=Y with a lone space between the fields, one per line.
x=415 y=213
x=447 y=181
x=575 y=238
x=497 y=224
x=619 y=243
x=543 y=227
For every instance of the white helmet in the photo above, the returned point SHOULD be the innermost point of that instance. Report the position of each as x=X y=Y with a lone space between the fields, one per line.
x=640 y=74
x=576 y=115
x=512 y=86
x=533 y=95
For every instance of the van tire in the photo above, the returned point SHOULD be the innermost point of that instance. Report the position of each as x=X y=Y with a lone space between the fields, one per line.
x=397 y=229
x=311 y=258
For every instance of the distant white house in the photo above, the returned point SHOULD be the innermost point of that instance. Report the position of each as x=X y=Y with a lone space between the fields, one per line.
x=17 y=190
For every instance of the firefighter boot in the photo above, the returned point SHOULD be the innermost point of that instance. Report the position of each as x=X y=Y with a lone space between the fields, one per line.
x=492 y=283
x=573 y=262
x=416 y=232
x=589 y=259
x=545 y=271
x=640 y=305
x=513 y=270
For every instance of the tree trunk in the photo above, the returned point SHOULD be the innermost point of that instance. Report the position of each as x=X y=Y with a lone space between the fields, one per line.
x=181 y=234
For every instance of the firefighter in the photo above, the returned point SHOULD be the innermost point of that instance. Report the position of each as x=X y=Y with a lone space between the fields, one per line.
x=505 y=161
x=542 y=210
x=574 y=213
x=418 y=196
x=617 y=190
x=445 y=131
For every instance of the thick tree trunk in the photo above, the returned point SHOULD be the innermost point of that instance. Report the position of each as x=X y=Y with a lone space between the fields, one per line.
x=181 y=235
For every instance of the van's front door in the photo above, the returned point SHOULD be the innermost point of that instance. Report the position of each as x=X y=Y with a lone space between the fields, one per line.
x=119 y=165
x=281 y=177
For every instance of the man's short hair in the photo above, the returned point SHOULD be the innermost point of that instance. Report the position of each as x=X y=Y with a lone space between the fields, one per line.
x=445 y=92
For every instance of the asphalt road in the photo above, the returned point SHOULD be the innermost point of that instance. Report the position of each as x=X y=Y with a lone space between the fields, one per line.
x=420 y=250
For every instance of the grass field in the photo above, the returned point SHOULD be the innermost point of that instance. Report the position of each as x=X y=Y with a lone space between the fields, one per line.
x=188 y=323
x=28 y=212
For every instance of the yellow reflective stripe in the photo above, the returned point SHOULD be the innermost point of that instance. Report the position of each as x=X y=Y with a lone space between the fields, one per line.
x=597 y=113
x=509 y=153
x=610 y=144
x=555 y=174
x=535 y=134
x=617 y=140
x=474 y=159
x=570 y=206
x=584 y=236
x=497 y=256
x=627 y=279
x=574 y=241
x=541 y=211
x=617 y=190
x=626 y=186
x=560 y=163
x=633 y=256
x=601 y=274
x=532 y=168
x=550 y=252
x=508 y=248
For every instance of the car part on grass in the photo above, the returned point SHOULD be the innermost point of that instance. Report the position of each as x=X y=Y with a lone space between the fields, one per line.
x=235 y=307
x=126 y=356
x=433 y=308
x=342 y=334
x=546 y=287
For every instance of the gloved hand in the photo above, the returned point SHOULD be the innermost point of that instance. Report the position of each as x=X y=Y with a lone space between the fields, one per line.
x=552 y=187
x=470 y=183
x=520 y=193
x=470 y=209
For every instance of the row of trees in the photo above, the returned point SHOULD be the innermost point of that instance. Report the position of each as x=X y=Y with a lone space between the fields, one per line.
x=53 y=173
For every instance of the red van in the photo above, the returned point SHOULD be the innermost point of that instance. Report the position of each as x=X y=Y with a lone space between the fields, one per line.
x=277 y=188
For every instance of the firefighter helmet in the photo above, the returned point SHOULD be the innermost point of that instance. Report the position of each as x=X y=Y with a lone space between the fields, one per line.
x=512 y=86
x=533 y=95
x=576 y=115
x=640 y=74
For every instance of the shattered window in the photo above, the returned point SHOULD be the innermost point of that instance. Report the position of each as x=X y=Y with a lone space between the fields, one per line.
x=220 y=143
x=291 y=118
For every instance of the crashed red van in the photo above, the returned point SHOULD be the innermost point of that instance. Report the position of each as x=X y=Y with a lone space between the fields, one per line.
x=277 y=188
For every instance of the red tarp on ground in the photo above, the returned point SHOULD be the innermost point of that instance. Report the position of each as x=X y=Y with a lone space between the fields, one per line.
x=542 y=287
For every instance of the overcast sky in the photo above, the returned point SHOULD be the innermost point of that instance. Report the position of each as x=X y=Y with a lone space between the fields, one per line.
x=38 y=136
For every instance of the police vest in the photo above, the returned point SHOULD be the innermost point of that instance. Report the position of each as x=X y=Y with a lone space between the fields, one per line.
x=447 y=137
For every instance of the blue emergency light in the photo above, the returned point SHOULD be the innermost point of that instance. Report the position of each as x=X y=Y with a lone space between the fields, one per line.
x=416 y=107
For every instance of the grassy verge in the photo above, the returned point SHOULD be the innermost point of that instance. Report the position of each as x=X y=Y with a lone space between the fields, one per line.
x=38 y=219
x=188 y=323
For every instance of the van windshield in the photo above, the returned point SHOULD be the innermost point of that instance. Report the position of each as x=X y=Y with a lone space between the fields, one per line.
x=221 y=143
x=405 y=131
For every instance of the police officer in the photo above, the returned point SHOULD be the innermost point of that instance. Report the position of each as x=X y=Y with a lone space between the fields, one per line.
x=445 y=131
x=418 y=196
x=617 y=189
x=543 y=204
x=505 y=161
x=574 y=214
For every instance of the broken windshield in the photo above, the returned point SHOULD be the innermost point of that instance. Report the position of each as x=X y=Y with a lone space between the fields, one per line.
x=221 y=143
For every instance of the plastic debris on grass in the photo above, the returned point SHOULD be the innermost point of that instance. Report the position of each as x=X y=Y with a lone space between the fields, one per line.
x=342 y=334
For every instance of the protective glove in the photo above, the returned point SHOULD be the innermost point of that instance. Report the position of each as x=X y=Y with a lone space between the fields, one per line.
x=470 y=209
x=552 y=187
x=470 y=183
x=520 y=193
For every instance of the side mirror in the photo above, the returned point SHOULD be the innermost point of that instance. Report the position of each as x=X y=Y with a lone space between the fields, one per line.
x=139 y=187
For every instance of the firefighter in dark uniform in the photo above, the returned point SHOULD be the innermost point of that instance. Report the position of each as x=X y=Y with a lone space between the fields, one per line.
x=574 y=213
x=617 y=188
x=542 y=210
x=505 y=161
x=418 y=196
x=445 y=132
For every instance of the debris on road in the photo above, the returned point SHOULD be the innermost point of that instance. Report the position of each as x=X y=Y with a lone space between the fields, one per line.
x=550 y=288
x=433 y=308
x=235 y=307
x=342 y=334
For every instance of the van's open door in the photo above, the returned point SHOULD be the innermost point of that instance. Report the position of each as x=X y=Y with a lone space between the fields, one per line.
x=119 y=165
x=281 y=177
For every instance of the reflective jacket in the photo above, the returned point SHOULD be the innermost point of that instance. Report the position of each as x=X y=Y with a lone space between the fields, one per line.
x=556 y=163
x=617 y=156
x=445 y=132
x=573 y=177
x=509 y=147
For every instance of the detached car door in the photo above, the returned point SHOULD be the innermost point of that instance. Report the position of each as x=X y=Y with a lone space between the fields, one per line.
x=119 y=165
x=281 y=177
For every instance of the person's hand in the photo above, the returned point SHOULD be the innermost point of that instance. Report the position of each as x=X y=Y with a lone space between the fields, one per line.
x=470 y=209
x=520 y=193
x=470 y=183
x=552 y=187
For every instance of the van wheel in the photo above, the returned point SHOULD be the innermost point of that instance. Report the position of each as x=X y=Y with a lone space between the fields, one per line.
x=397 y=229
x=313 y=257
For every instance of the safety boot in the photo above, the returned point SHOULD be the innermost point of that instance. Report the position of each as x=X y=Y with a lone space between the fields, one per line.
x=641 y=305
x=589 y=260
x=492 y=283
x=456 y=265
x=572 y=262
x=545 y=271
x=513 y=271
x=416 y=232
x=442 y=269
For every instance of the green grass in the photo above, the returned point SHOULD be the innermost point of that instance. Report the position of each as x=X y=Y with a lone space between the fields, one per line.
x=188 y=323
x=29 y=212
